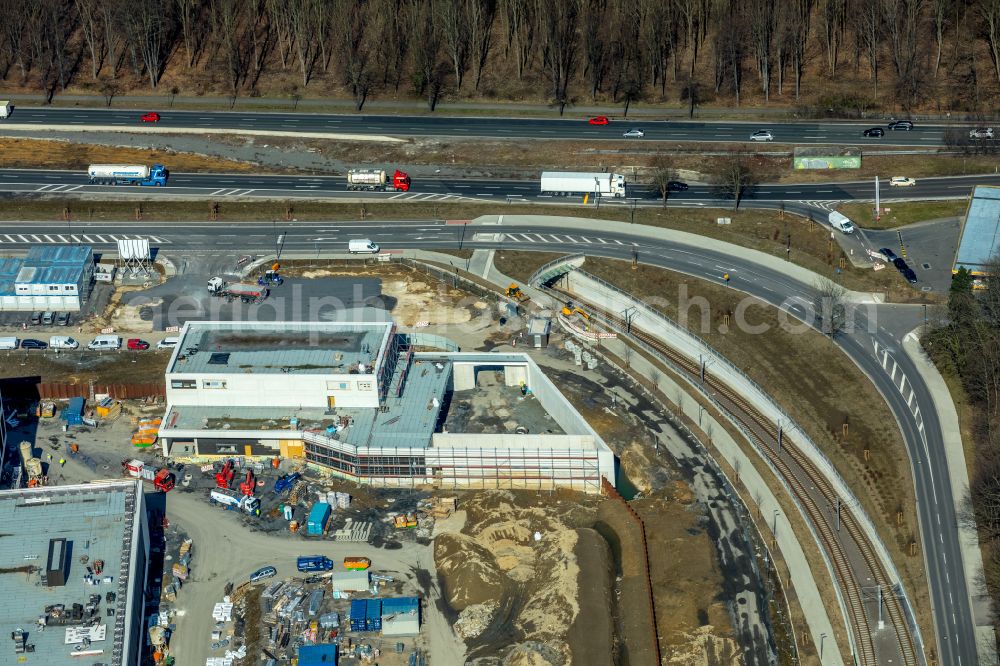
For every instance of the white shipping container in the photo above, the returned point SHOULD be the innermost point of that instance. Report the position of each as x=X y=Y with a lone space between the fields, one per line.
x=366 y=177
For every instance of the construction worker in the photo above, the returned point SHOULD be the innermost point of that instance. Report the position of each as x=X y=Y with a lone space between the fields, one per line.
x=50 y=457
x=725 y=276
x=62 y=461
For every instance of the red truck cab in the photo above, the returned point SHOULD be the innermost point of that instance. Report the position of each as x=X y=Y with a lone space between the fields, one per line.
x=401 y=181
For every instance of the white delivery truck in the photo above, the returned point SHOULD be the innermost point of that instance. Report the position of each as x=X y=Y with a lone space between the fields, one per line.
x=841 y=223
x=575 y=183
x=362 y=246
x=6 y=108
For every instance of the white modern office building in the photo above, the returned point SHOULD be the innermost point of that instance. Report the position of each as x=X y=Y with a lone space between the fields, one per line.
x=354 y=398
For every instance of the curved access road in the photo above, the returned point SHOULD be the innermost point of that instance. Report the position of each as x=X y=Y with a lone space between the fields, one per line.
x=838 y=133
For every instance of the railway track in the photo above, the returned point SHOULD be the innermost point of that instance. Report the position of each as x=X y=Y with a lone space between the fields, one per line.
x=763 y=432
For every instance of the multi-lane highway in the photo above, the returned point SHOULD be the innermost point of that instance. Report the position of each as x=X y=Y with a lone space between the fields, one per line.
x=239 y=185
x=813 y=132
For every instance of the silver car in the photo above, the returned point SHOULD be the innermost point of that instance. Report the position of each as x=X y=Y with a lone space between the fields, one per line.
x=762 y=135
x=634 y=134
x=981 y=133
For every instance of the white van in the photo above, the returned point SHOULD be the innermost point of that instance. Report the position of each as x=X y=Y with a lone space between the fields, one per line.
x=9 y=343
x=105 y=342
x=841 y=223
x=167 y=343
x=6 y=108
x=63 y=342
x=362 y=246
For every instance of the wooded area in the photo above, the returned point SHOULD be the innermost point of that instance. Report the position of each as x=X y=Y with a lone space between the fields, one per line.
x=849 y=56
x=966 y=345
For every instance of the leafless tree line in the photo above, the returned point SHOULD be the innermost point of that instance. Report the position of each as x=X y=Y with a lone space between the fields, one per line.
x=612 y=49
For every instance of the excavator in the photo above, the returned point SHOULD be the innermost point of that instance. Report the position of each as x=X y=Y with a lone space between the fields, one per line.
x=224 y=477
x=514 y=292
x=249 y=484
x=569 y=310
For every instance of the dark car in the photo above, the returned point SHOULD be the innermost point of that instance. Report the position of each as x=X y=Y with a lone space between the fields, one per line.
x=910 y=276
x=888 y=254
x=31 y=343
x=875 y=131
x=677 y=186
x=901 y=125
x=900 y=264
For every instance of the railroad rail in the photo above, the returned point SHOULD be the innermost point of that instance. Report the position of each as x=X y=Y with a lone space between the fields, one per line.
x=764 y=437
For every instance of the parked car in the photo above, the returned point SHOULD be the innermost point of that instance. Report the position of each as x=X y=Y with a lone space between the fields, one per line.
x=910 y=276
x=31 y=343
x=762 y=135
x=981 y=133
x=900 y=264
x=902 y=181
x=63 y=342
x=48 y=318
x=36 y=318
x=875 y=132
x=137 y=344
x=634 y=134
x=901 y=125
x=62 y=319
x=167 y=343
x=151 y=117
x=263 y=574
x=887 y=254
x=677 y=186
x=599 y=120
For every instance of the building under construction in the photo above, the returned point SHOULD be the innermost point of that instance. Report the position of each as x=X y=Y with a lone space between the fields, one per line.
x=76 y=560
x=357 y=400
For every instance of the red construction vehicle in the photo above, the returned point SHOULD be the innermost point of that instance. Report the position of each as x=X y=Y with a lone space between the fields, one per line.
x=164 y=481
x=249 y=484
x=224 y=477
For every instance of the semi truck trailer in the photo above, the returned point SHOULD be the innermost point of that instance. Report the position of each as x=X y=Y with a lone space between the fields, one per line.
x=574 y=183
x=377 y=180
x=128 y=174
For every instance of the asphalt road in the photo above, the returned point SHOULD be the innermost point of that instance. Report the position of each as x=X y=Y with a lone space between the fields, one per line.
x=23 y=182
x=952 y=612
x=802 y=133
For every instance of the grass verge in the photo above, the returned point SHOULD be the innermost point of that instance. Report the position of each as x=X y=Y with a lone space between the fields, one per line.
x=902 y=214
x=55 y=154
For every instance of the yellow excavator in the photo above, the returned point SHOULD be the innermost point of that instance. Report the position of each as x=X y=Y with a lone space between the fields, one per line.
x=569 y=310
x=514 y=292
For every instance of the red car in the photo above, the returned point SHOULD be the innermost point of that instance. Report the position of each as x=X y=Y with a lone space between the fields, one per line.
x=150 y=118
x=137 y=344
x=599 y=120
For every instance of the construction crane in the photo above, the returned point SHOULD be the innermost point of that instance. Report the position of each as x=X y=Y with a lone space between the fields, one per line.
x=249 y=484
x=224 y=477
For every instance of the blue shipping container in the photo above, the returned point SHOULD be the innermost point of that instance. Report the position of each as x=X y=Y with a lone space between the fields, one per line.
x=318 y=515
x=318 y=655
x=73 y=414
x=373 y=616
x=359 y=611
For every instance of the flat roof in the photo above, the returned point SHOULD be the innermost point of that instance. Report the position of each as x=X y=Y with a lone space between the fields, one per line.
x=980 y=239
x=95 y=520
x=9 y=268
x=314 y=348
x=407 y=419
x=59 y=254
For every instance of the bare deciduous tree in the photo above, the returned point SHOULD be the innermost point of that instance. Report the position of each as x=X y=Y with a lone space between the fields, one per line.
x=663 y=173
x=453 y=26
x=481 y=19
x=830 y=307
x=559 y=44
x=733 y=176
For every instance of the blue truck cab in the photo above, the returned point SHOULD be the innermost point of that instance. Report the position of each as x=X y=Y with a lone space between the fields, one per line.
x=314 y=563
x=128 y=174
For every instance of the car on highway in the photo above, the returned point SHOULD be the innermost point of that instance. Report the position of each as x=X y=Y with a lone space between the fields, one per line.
x=887 y=254
x=62 y=319
x=151 y=117
x=902 y=181
x=136 y=344
x=31 y=343
x=762 y=135
x=263 y=574
x=634 y=133
x=599 y=120
x=677 y=186
x=906 y=125
x=875 y=132
x=981 y=133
